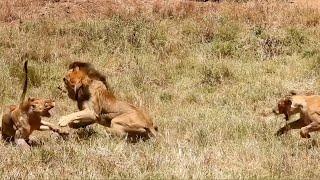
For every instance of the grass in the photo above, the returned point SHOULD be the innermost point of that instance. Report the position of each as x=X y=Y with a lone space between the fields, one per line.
x=208 y=73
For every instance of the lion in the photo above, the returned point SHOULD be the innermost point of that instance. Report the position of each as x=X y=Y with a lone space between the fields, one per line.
x=19 y=121
x=97 y=104
x=283 y=105
x=308 y=106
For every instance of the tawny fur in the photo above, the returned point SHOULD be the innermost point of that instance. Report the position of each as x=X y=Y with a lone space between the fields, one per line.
x=97 y=104
x=309 y=108
x=19 y=121
x=283 y=105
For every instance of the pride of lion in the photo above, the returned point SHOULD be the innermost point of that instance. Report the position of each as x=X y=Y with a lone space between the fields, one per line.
x=98 y=104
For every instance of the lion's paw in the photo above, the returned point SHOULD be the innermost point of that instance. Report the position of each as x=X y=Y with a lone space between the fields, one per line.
x=63 y=122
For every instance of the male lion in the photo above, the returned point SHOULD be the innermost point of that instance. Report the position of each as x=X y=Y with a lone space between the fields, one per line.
x=97 y=104
x=19 y=121
x=309 y=108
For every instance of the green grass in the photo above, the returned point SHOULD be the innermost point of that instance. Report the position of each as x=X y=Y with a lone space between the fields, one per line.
x=207 y=81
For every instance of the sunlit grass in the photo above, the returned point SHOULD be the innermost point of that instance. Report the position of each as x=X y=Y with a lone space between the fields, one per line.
x=208 y=80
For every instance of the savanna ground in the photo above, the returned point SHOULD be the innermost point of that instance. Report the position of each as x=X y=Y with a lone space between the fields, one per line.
x=208 y=73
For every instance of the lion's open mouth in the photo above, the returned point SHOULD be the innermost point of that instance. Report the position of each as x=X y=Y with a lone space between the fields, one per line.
x=48 y=112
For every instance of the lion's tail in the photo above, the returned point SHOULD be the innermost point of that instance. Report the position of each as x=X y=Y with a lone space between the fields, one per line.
x=25 y=85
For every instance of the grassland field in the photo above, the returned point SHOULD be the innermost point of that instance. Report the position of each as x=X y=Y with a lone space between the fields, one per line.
x=208 y=73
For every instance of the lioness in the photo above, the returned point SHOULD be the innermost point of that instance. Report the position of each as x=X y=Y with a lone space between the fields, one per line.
x=97 y=104
x=309 y=108
x=19 y=121
x=284 y=107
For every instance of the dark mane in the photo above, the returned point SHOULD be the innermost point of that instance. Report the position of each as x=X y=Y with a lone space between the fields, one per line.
x=91 y=71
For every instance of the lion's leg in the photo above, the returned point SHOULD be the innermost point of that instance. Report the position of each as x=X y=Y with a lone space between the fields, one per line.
x=49 y=126
x=314 y=126
x=46 y=126
x=121 y=128
x=22 y=134
x=80 y=124
x=133 y=134
x=7 y=130
x=292 y=125
x=116 y=130
x=84 y=117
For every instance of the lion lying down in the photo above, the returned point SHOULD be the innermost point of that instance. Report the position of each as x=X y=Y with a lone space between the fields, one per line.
x=97 y=104
x=309 y=108
x=18 y=122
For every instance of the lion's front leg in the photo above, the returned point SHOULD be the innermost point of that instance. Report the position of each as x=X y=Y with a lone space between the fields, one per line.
x=22 y=134
x=292 y=125
x=85 y=117
x=45 y=126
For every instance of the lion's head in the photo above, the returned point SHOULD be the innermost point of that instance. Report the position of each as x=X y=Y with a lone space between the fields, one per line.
x=89 y=70
x=290 y=105
x=73 y=81
x=78 y=76
x=39 y=106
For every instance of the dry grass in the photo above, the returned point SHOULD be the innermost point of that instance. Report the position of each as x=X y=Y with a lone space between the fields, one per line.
x=209 y=74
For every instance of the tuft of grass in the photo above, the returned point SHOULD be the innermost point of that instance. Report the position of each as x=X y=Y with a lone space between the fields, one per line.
x=216 y=74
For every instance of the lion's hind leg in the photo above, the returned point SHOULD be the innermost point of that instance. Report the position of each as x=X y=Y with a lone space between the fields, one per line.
x=131 y=135
x=121 y=127
x=116 y=130
x=7 y=127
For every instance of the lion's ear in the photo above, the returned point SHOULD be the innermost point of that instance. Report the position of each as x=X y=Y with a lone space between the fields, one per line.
x=288 y=101
x=30 y=99
x=293 y=92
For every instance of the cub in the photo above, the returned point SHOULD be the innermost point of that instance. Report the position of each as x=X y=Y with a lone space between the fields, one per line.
x=19 y=121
